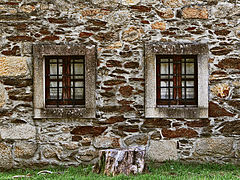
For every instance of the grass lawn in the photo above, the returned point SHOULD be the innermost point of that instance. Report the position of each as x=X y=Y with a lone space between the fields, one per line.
x=168 y=170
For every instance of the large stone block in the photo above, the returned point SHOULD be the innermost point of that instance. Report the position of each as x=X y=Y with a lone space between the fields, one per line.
x=14 y=131
x=214 y=146
x=2 y=95
x=6 y=160
x=106 y=142
x=130 y=2
x=195 y=12
x=13 y=66
x=25 y=149
x=164 y=150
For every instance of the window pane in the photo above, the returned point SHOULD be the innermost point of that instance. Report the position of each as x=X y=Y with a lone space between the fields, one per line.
x=164 y=93
x=189 y=68
x=164 y=68
x=53 y=93
x=190 y=93
x=188 y=83
x=79 y=93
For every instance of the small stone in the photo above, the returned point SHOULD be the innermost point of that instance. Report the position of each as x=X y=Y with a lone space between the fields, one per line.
x=132 y=34
x=13 y=66
x=6 y=159
x=2 y=95
x=27 y=8
x=106 y=142
x=114 y=119
x=229 y=63
x=24 y=150
x=221 y=90
x=119 y=18
x=165 y=13
x=70 y=145
x=195 y=12
x=220 y=51
x=159 y=25
x=172 y=3
x=181 y=132
x=104 y=3
x=18 y=131
x=132 y=65
x=87 y=155
x=113 y=82
x=51 y=151
x=163 y=150
x=156 y=123
x=217 y=111
x=214 y=146
x=88 y=130
x=135 y=140
x=126 y=91
x=130 y=2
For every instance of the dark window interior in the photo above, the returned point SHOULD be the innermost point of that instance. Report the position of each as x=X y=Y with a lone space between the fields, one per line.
x=176 y=80
x=64 y=81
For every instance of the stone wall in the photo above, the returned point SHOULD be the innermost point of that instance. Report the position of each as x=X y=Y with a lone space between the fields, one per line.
x=119 y=29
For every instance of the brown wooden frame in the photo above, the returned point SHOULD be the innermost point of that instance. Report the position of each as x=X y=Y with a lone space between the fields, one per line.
x=66 y=79
x=176 y=78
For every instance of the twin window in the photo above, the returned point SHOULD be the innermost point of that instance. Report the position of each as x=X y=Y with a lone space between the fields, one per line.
x=176 y=81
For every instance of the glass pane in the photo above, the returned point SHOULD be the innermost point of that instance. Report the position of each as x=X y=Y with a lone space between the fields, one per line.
x=164 y=60
x=164 y=93
x=189 y=68
x=53 y=84
x=79 y=93
x=53 y=93
x=190 y=93
x=164 y=68
x=188 y=83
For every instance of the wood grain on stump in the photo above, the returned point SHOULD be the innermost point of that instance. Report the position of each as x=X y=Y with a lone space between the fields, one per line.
x=121 y=161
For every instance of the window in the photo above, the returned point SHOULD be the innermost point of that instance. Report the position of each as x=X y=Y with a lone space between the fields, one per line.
x=64 y=81
x=176 y=80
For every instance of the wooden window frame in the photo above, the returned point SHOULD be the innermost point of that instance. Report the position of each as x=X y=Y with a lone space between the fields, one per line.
x=176 y=99
x=65 y=100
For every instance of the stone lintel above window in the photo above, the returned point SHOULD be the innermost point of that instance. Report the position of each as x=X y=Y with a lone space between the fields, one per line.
x=152 y=50
x=40 y=52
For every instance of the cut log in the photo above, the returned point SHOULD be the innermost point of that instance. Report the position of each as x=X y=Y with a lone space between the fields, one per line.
x=121 y=161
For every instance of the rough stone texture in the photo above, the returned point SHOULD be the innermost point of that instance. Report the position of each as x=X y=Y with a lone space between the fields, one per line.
x=22 y=131
x=106 y=142
x=24 y=150
x=164 y=150
x=214 y=146
x=13 y=66
x=122 y=31
x=6 y=159
x=195 y=12
x=2 y=95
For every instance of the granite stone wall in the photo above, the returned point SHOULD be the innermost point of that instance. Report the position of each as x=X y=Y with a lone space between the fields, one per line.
x=119 y=29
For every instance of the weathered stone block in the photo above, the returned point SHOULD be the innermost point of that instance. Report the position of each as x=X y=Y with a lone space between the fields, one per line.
x=15 y=131
x=229 y=63
x=159 y=25
x=88 y=130
x=160 y=151
x=132 y=34
x=136 y=140
x=195 y=12
x=172 y=3
x=51 y=151
x=6 y=160
x=221 y=90
x=87 y=155
x=2 y=95
x=24 y=149
x=214 y=146
x=217 y=111
x=106 y=142
x=126 y=91
x=181 y=132
x=13 y=66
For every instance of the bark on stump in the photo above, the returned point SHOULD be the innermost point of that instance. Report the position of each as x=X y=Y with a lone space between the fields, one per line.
x=121 y=161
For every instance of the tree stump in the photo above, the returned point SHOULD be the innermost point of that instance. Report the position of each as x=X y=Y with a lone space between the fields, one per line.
x=120 y=161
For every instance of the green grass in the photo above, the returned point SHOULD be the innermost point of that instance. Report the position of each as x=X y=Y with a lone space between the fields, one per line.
x=168 y=170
